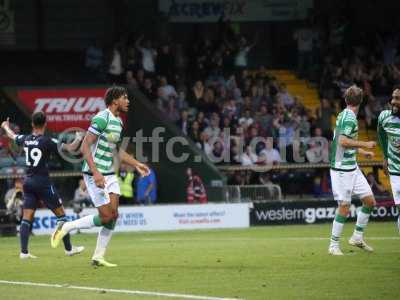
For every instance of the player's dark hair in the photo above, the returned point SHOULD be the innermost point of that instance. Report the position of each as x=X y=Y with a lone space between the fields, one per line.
x=38 y=119
x=113 y=93
x=353 y=95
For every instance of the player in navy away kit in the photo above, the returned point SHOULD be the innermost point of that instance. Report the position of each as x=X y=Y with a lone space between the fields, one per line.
x=37 y=184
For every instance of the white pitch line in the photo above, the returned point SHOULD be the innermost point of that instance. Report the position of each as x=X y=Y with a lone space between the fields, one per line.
x=120 y=291
x=378 y=238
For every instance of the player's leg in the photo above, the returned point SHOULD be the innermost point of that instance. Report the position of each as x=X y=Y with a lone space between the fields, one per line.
x=29 y=208
x=105 y=234
x=342 y=185
x=50 y=197
x=104 y=237
x=363 y=190
x=25 y=231
x=61 y=218
x=395 y=183
x=100 y=200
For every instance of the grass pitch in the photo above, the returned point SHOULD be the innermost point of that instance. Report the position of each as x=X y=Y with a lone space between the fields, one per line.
x=276 y=262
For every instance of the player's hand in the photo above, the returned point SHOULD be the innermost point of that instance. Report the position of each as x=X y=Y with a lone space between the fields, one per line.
x=6 y=123
x=369 y=154
x=143 y=169
x=99 y=180
x=79 y=135
x=370 y=145
x=385 y=167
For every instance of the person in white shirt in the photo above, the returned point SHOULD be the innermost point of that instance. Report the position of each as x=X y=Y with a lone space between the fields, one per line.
x=305 y=38
x=248 y=157
x=116 y=69
x=148 y=55
x=269 y=155
x=169 y=90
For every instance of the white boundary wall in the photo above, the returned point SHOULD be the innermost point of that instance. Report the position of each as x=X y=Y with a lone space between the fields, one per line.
x=159 y=217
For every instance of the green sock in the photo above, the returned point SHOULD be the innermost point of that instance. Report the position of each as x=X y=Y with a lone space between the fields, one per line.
x=97 y=220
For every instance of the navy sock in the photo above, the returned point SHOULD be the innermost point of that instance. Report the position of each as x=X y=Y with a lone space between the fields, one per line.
x=24 y=232
x=67 y=238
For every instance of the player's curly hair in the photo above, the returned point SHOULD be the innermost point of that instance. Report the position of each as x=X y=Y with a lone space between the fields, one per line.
x=353 y=95
x=113 y=93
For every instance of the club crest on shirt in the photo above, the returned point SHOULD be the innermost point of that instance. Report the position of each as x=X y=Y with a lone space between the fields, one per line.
x=395 y=142
x=112 y=137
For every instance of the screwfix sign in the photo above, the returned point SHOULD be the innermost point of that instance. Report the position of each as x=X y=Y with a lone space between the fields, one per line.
x=64 y=108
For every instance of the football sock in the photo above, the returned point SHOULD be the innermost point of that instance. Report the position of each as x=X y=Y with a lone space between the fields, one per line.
x=362 y=221
x=24 y=232
x=83 y=223
x=103 y=239
x=337 y=228
x=67 y=238
x=398 y=219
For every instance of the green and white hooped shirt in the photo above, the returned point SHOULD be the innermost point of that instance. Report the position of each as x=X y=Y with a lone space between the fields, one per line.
x=344 y=159
x=108 y=128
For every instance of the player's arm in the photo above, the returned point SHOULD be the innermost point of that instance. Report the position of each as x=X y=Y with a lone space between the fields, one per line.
x=6 y=126
x=130 y=160
x=383 y=142
x=346 y=130
x=96 y=128
x=347 y=142
x=72 y=147
x=88 y=141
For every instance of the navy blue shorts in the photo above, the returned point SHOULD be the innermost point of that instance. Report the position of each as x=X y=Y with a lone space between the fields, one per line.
x=40 y=188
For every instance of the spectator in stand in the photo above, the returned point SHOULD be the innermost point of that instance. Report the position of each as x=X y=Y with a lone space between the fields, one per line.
x=171 y=113
x=148 y=89
x=132 y=63
x=194 y=133
x=94 y=59
x=324 y=118
x=116 y=68
x=147 y=188
x=269 y=155
x=264 y=118
x=183 y=122
x=165 y=62
x=248 y=157
x=131 y=80
x=148 y=55
x=372 y=109
x=304 y=37
x=81 y=198
x=246 y=119
x=213 y=129
x=285 y=97
x=127 y=185
x=200 y=118
x=168 y=90
x=197 y=94
x=195 y=191
x=241 y=59
x=318 y=151
x=209 y=105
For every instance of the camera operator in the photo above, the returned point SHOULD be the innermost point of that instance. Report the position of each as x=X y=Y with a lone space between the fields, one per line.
x=13 y=200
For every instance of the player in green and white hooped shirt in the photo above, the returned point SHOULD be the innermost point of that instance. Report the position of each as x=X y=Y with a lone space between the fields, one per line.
x=98 y=149
x=389 y=140
x=347 y=179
